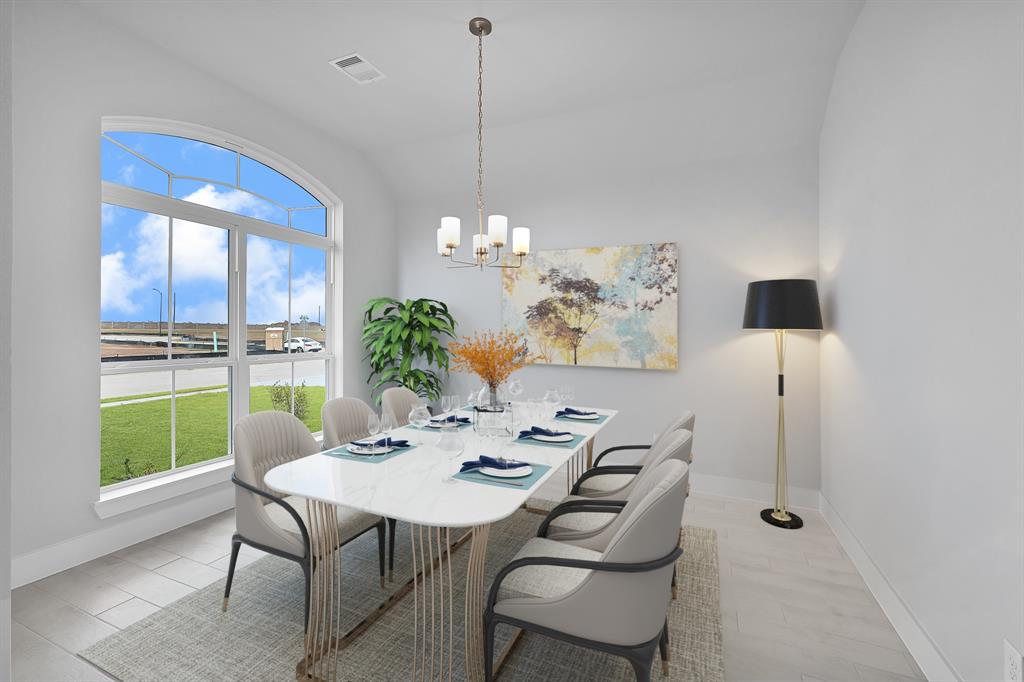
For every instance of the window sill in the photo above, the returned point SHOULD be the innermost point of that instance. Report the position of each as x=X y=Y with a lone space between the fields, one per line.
x=131 y=497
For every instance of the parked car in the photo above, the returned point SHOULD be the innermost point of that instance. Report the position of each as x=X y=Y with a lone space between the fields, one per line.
x=303 y=344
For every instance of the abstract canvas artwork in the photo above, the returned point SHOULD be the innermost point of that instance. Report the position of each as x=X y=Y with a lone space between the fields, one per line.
x=608 y=306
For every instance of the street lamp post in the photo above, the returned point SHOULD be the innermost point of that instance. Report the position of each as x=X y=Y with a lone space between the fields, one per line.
x=160 y=313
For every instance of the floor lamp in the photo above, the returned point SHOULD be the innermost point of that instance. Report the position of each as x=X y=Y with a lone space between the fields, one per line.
x=781 y=305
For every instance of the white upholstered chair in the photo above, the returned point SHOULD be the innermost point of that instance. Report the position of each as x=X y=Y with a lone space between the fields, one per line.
x=613 y=599
x=344 y=420
x=612 y=480
x=265 y=520
x=398 y=401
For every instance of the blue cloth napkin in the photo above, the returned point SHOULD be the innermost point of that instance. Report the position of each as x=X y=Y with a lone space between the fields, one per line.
x=486 y=461
x=573 y=411
x=540 y=431
x=450 y=419
x=383 y=442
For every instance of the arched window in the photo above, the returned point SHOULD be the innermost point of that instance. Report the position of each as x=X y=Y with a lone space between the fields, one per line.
x=215 y=291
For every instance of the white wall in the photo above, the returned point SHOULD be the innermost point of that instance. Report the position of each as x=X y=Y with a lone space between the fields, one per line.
x=71 y=69
x=921 y=213
x=735 y=220
x=5 y=340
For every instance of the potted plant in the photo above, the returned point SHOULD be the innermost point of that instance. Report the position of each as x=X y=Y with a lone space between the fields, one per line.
x=492 y=356
x=403 y=344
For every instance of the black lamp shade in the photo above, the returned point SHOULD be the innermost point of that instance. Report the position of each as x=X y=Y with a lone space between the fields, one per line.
x=782 y=304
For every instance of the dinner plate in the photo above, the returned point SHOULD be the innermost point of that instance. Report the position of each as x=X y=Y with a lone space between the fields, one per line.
x=564 y=438
x=361 y=450
x=438 y=425
x=584 y=417
x=518 y=472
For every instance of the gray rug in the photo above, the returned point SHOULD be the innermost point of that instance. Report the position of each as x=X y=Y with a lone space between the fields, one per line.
x=260 y=636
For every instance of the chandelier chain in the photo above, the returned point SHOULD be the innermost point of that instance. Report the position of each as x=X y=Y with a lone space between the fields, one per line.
x=480 y=124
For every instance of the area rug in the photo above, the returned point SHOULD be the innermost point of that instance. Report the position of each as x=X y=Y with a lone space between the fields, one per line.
x=260 y=636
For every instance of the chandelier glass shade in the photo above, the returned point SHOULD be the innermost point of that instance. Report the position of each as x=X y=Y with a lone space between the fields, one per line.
x=487 y=246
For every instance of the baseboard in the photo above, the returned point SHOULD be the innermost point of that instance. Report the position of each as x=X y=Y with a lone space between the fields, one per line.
x=726 y=486
x=931 y=661
x=129 y=530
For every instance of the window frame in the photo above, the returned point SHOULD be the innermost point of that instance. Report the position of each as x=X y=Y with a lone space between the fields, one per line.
x=237 y=361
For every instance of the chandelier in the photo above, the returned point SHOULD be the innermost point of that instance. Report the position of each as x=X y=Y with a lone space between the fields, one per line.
x=486 y=247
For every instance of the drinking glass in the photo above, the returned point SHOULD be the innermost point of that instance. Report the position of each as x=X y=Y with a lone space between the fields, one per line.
x=451 y=446
x=419 y=417
x=373 y=427
x=447 y=404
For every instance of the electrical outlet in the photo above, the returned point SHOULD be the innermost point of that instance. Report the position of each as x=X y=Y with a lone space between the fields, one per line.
x=1013 y=663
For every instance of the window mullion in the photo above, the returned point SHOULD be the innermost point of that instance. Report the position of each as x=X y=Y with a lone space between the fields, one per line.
x=174 y=417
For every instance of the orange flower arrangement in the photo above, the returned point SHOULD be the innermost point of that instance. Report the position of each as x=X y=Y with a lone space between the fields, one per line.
x=492 y=356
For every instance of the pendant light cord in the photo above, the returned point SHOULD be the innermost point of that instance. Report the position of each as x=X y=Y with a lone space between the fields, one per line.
x=480 y=131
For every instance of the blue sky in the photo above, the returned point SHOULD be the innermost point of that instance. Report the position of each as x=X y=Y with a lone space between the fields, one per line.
x=134 y=243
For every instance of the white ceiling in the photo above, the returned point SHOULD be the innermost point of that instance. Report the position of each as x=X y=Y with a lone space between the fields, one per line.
x=544 y=60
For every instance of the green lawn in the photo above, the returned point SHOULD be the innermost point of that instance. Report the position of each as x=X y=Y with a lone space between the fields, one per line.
x=141 y=432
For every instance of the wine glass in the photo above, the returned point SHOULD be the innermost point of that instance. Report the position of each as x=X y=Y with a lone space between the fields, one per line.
x=515 y=388
x=567 y=394
x=447 y=404
x=387 y=425
x=419 y=417
x=551 y=400
x=373 y=427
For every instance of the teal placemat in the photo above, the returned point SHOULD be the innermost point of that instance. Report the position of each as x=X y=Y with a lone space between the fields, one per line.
x=524 y=483
x=600 y=420
x=341 y=452
x=568 y=445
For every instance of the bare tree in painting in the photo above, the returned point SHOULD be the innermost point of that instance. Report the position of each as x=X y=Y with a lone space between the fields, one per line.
x=644 y=282
x=568 y=316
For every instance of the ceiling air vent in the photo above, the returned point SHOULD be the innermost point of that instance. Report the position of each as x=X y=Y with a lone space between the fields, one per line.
x=358 y=69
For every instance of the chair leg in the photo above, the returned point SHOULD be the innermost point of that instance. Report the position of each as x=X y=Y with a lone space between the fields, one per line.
x=391 y=549
x=236 y=544
x=489 y=626
x=674 y=590
x=642 y=662
x=306 y=572
x=663 y=647
x=380 y=549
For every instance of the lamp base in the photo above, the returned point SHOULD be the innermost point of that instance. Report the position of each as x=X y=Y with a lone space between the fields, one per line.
x=790 y=520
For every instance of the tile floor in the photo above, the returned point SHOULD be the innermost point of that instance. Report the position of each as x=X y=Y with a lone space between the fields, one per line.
x=793 y=606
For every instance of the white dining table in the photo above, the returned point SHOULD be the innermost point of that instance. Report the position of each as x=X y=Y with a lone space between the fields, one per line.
x=416 y=487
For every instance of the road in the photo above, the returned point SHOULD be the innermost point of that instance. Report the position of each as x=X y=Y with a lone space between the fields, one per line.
x=115 y=385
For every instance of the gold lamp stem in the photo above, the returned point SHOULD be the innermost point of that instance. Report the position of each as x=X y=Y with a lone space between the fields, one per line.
x=779 y=515
x=780 y=511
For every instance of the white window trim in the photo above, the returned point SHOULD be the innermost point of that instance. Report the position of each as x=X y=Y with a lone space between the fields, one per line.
x=130 y=495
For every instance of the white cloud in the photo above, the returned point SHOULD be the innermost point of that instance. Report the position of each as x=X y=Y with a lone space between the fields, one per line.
x=201 y=255
x=233 y=200
x=116 y=285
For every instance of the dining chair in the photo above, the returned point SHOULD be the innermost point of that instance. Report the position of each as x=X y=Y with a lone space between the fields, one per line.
x=611 y=478
x=615 y=600
x=279 y=525
x=583 y=514
x=399 y=401
x=344 y=420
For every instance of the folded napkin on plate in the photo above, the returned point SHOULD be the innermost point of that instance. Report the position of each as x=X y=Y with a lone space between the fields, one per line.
x=540 y=431
x=572 y=411
x=492 y=463
x=383 y=442
x=450 y=419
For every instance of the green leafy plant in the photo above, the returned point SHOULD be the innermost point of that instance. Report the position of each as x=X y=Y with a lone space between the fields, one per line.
x=403 y=344
x=281 y=399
